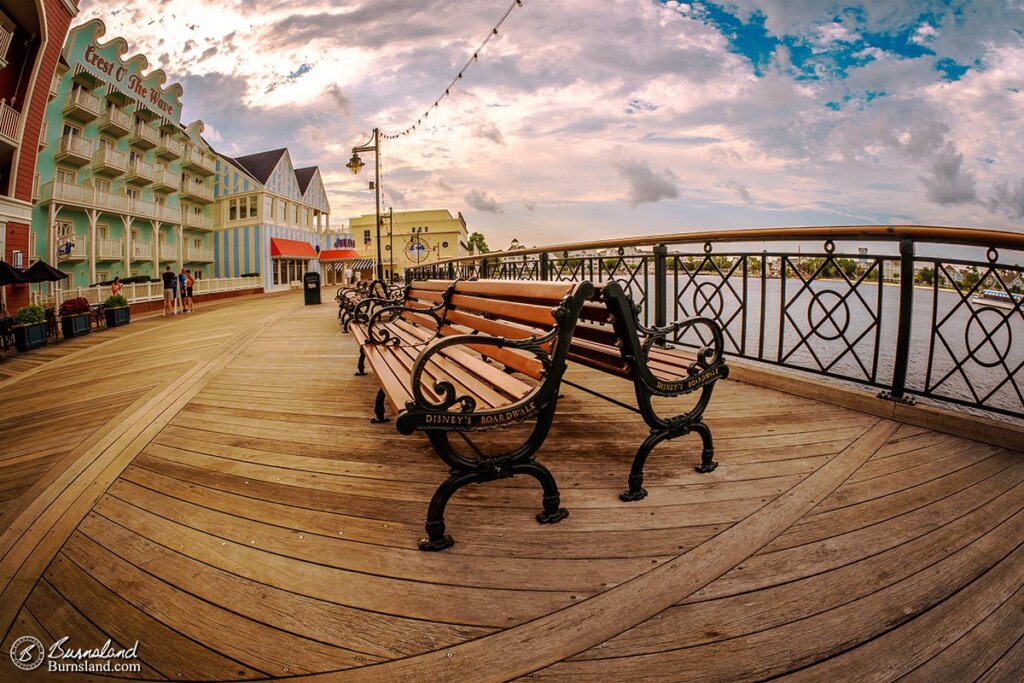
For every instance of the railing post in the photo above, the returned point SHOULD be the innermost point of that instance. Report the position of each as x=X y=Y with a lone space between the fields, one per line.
x=660 y=283
x=483 y=269
x=905 y=327
x=451 y=270
x=545 y=267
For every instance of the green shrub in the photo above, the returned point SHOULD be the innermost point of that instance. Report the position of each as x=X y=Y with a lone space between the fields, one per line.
x=30 y=315
x=116 y=301
x=76 y=306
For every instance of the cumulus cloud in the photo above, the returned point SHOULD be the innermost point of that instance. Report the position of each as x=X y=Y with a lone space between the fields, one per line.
x=645 y=184
x=481 y=201
x=489 y=131
x=739 y=189
x=1009 y=199
x=948 y=182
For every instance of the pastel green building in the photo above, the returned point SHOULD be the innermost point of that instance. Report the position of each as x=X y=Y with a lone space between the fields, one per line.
x=122 y=187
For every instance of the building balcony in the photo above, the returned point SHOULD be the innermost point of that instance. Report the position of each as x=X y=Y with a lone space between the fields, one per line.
x=196 y=220
x=141 y=207
x=168 y=252
x=115 y=122
x=194 y=254
x=197 y=192
x=168 y=214
x=85 y=197
x=81 y=105
x=73 y=150
x=140 y=172
x=109 y=250
x=109 y=162
x=169 y=148
x=142 y=251
x=164 y=181
x=43 y=132
x=195 y=160
x=9 y=120
x=79 y=248
x=54 y=84
x=144 y=136
x=5 y=44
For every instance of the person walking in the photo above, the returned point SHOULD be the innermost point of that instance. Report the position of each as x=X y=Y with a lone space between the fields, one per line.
x=181 y=289
x=116 y=287
x=189 y=284
x=348 y=275
x=169 y=283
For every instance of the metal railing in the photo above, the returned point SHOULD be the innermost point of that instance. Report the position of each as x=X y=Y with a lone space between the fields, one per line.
x=146 y=291
x=909 y=310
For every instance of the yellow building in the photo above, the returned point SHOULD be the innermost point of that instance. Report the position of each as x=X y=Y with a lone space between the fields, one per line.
x=411 y=238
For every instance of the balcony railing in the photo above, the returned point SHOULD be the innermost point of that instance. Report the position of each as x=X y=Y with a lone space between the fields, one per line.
x=153 y=291
x=197 y=191
x=144 y=136
x=169 y=148
x=168 y=252
x=115 y=121
x=43 y=132
x=140 y=172
x=194 y=220
x=79 y=248
x=9 y=119
x=109 y=249
x=74 y=150
x=941 y=325
x=197 y=160
x=141 y=207
x=142 y=251
x=169 y=214
x=165 y=181
x=81 y=105
x=198 y=254
x=109 y=162
x=5 y=44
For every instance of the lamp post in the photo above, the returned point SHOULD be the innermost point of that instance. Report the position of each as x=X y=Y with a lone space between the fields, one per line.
x=355 y=164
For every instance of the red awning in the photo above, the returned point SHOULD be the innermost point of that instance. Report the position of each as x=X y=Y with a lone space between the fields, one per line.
x=291 y=248
x=338 y=254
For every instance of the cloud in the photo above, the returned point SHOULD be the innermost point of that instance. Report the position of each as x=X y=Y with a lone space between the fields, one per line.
x=948 y=182
x=490 y=132
x=645 y=185
x=1009 y=199
x=739 y=189
x=343 y=103
x=481 y=201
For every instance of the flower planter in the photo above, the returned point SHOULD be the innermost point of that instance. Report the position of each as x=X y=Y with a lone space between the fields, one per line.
x=75 y=325
x=27 y=337
x=118 y=316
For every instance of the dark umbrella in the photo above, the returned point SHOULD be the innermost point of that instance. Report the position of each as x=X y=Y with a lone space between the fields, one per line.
x=41 y=271
x=9 y=275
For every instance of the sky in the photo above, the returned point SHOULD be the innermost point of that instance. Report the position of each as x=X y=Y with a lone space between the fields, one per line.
x=585 y=120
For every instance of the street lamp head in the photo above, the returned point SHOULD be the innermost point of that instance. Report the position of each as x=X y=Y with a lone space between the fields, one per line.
x=355 y=164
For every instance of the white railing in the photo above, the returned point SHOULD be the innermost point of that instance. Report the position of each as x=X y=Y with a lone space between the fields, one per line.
x=141 y=169
x=142 y=250
x=9 y=118
x=109 y=249
x=141 y=207
x=115 y=117
x=190 y=187
x=79 y=248
x=169 y=214
x=151 y=291
x=74 y=144
x=145 y=132
x=166 y=178
x=195 y=156
x=5 y=44
x=169 y=144
x=106 y=156
x=194 y=220
x=168 y=252
x=83 y=100
x=198 y=254
x=42 y=134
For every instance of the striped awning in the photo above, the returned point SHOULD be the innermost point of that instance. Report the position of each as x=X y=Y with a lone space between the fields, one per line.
x=282 y=248
x=339 y=255
x=84 y=75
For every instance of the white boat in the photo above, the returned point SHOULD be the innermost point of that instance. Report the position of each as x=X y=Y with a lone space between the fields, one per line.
x=999 y=298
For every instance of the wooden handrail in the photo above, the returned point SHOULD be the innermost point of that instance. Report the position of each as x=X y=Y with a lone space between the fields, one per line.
x=920 y=233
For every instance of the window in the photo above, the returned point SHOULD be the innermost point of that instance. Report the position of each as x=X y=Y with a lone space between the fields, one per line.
x=253 y=210
x=64 y=230
x=268 y=207
x=72 y=130
x=366 y=236
x=132 y=193
x=280 y=210
x=65 y=176
x=160 y=200
x=243 y=209
x=233 y=210
x=133 y=156
x=102 y=185
x=136 y=235
x=135 y=272
x=102 y=275
x=102 y=231
x=295 y=214
x=106 y=143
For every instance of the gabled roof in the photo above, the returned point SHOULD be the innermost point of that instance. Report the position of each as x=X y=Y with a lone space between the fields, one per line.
x=261 y=164
x=304 y=175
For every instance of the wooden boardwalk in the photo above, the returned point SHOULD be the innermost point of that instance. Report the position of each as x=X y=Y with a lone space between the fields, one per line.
x=212 y=488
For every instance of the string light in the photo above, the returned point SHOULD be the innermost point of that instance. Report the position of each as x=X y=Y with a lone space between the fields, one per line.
x=447 y=91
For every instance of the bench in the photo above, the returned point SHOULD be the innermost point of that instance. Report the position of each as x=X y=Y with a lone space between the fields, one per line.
x=470 y=356
x=351 y=299
x=605 y=335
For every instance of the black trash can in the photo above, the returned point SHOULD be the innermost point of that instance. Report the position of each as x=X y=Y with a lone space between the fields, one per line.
x=311 y=288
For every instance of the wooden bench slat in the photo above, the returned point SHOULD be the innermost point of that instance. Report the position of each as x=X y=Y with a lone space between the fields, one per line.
x=553 y=291
x=528 y=313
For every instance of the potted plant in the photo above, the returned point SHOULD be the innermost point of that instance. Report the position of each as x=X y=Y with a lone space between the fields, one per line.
x=29 y=328
x=74 y=317
x=117 y=311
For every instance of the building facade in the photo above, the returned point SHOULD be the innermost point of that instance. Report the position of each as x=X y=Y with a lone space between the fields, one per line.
x=270 y=218
x=411 y=238
x=122 y=187
x=32 y=34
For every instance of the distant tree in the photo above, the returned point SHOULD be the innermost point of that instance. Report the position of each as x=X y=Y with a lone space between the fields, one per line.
x=925 y=276
x=971 y=276
x=753 y=264
x=610 y=264
x=478 y=241
x=1015 y=288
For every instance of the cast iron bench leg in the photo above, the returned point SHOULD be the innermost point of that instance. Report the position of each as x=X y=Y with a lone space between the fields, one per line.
x=361 y=363
x=378 y=409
